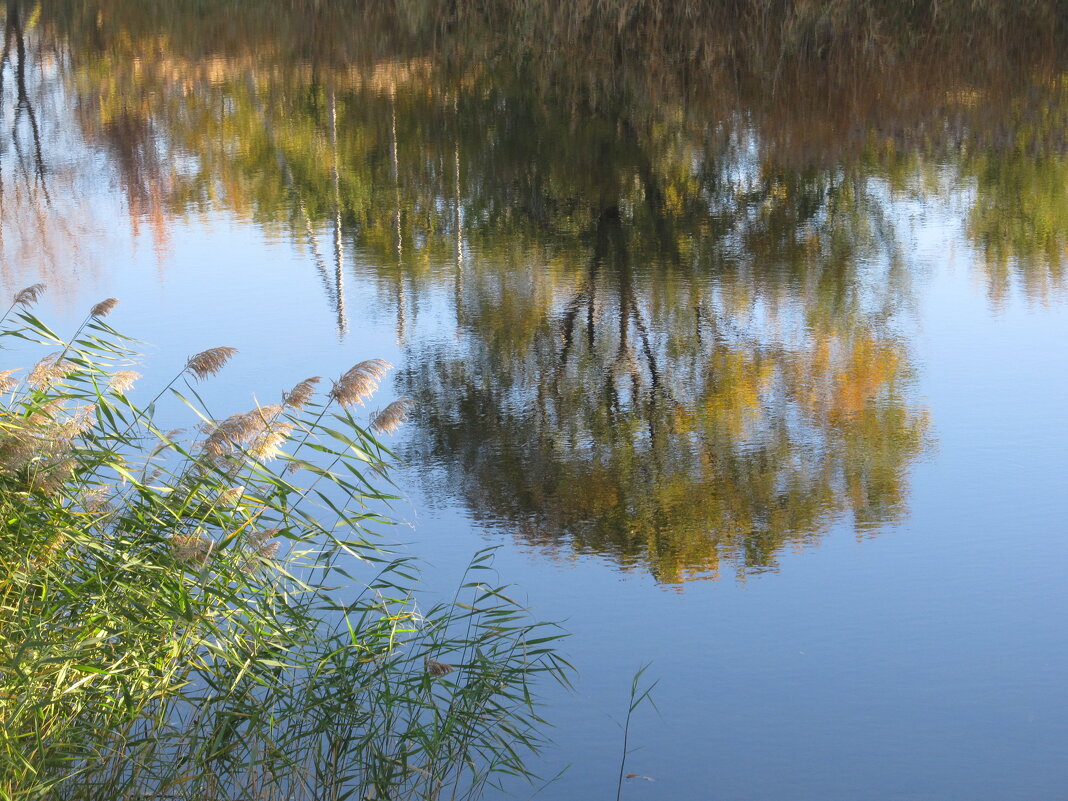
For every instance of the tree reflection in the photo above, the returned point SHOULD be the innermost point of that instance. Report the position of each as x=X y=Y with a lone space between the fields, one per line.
x=664 y=417
x=678 y=310
x=40 y=217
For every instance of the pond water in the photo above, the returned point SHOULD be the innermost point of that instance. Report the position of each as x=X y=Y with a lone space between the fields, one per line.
x=767 y=390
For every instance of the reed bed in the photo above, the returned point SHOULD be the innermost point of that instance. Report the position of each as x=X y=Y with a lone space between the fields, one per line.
x=210 y=615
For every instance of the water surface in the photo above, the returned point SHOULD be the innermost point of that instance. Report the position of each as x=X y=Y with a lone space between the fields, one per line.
x=765 y=388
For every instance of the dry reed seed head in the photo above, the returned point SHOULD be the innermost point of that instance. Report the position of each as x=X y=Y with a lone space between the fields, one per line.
x=78 y=423
x=6 y=381
x=230 y=496
x=96 y=501
x=438 y=669
x=298 y=397
x=233 y=431
x=269 y=444
x=392 y=417
x=374 y=367
x=257 y=429
x=29 y=295
x=269 y=412
x=123 y=380
x=209 y=362
x=260 y=543
x=50 y=476
x=47 y=371
x=191 y=549
x=44 y=434
x=16 y=451
x=359 y=382
x=104 y=307
x=46 y=413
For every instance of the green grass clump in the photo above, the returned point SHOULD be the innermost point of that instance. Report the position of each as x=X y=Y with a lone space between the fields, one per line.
x=210 y=616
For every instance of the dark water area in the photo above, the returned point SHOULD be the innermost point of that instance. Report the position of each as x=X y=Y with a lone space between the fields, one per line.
x=763 y=383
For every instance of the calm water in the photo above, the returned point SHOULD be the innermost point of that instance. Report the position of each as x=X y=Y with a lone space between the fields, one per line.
x=768 y=391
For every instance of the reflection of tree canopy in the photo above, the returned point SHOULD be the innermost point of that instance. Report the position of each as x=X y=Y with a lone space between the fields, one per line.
x=41 y=217
x=667 y=417
x=377 y=125
x=676 y=305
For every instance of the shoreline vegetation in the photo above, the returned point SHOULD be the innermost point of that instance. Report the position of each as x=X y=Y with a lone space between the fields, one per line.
x=211 y=615
x=672 y=50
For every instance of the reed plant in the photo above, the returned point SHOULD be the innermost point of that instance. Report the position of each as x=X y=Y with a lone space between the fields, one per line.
x=210 y=615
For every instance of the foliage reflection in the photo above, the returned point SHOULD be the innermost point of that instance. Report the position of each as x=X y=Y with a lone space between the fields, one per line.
x=677 y=315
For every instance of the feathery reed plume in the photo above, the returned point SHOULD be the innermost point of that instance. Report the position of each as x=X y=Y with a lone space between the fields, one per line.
x=46 y=412
x=78 y=423
x=123 y=380
x=192 y=549
x=261 y=545
x=16 y=451
x=47 y=371
x=392 y=417
x=43 y=441
x=234 y=430
x=242 y=429
x=6 y=381
x=230 y=496
x=268 y=413
x=298 y=397
x=437 y=669
x=29 y=295
x=52 y=475
x=104 y=307
x=359 y=382
x=96 y=501
x=209 y=362
x=269 y=444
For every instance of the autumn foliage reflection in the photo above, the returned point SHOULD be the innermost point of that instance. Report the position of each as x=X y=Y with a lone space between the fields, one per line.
x=676 y=309
x=664 y=419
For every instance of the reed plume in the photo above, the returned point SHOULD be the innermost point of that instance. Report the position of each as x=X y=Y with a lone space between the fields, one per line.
x=254 y=428
x=359 y=382
x=166 y=441
x=51 y=475
x=269 y=444
x=104 y=307
x=392 y=417
x=209 y=362
x=231 y=495
x=29 y=295
x=192 y=549
x=438 y=669
x=96 y=501
x=261 y=545
x=298 y=397
x=47 y=371
x=234 y=430
x=45 y=413
x=123 y=380
x=6 y=380
x=80 y=421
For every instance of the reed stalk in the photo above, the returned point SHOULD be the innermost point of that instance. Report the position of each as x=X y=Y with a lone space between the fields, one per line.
x=188 y=618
